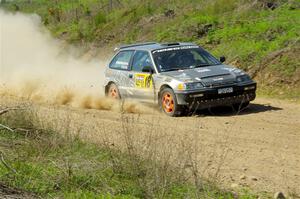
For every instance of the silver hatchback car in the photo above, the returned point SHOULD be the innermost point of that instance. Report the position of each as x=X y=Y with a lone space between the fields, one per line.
x=179 y=77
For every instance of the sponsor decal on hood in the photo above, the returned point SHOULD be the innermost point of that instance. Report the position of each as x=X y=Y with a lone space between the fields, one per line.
x=234 y=70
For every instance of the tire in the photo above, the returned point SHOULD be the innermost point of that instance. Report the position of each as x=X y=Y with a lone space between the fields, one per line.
x=241 y=106
x=168 y=103
x=113 y=92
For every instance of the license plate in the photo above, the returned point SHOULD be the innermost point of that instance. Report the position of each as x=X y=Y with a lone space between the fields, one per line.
x=225 y=90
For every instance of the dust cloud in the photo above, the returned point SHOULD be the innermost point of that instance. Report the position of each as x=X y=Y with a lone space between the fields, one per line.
x=36 y=66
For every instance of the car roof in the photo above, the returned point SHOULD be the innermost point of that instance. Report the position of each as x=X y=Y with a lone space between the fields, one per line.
x=150 y=46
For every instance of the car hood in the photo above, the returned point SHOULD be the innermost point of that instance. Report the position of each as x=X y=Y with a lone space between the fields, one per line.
x=217 y=73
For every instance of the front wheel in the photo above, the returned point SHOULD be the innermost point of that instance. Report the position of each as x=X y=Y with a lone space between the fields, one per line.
x=168 y=103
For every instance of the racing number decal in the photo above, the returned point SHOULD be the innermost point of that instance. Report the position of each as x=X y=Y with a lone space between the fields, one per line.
x=143 y=81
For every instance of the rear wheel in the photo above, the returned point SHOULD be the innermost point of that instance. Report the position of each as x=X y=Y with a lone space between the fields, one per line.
x=168 y=103
x=113 y=91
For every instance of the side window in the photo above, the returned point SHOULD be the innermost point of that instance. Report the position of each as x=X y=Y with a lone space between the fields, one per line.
x=140 y=60
x=121 y=61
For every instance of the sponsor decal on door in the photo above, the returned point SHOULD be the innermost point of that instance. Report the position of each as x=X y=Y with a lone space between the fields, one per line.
x=143 y=81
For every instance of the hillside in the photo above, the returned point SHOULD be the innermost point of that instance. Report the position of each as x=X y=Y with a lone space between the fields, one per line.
x=259 y=36
x=60 y=137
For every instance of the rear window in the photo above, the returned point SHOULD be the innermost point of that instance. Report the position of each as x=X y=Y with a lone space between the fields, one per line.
x=121 y=60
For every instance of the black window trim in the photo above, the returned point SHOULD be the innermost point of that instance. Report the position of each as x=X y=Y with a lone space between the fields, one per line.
x=130 y=61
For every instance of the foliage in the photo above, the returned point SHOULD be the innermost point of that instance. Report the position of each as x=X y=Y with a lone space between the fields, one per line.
x=245 y=31
x=53 y=165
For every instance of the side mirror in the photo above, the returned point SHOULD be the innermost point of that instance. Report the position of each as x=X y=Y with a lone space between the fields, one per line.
x=222 y=59
x=148 y=69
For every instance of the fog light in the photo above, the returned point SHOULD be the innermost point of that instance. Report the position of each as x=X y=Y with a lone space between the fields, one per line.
x=197 y=95
x=249 y=88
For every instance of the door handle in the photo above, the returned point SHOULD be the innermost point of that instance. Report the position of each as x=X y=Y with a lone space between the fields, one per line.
x=130 y=76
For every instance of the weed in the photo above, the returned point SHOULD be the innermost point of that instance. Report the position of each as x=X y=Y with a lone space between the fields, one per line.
x=68 y=164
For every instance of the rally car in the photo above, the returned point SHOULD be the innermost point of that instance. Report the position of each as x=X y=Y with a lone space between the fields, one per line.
x=179 y=77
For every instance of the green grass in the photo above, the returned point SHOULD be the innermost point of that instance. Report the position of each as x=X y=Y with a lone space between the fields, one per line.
x=246 y=33
x=52 y=165
x=81 y=170
x=74 y=170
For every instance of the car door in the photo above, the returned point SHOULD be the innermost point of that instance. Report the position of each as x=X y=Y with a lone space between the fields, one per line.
x=143 y=81
x=119 y=72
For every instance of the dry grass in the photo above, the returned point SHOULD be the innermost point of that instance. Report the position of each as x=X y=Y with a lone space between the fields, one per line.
x=65 y=97
x=158 y=156
x=103 y=104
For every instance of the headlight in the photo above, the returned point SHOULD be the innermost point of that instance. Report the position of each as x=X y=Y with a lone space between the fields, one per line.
x=190 y=86
x=243 y=78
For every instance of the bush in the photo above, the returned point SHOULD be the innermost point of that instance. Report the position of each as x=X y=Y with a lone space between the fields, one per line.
x=99 y=19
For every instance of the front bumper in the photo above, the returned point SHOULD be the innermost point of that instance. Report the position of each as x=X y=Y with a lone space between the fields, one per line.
x=209 y=97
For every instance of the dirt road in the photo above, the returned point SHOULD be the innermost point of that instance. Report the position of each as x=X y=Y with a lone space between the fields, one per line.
x=259 y=148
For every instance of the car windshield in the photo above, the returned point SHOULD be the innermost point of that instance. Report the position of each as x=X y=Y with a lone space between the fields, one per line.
x=182 y=58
